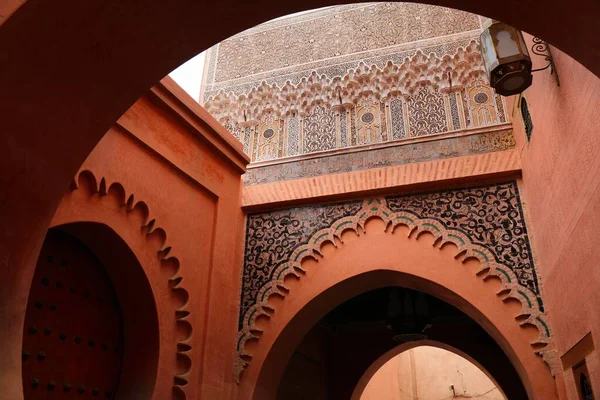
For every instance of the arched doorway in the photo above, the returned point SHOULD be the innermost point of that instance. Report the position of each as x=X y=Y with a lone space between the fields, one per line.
x=380 y=257
x=339 y=355
x=73 y=336
x=91 y=327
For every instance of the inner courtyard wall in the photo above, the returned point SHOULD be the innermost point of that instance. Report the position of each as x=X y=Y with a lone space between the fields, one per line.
x=42 y=151
x=562 y=193
x=398 y=117
x=429 y=373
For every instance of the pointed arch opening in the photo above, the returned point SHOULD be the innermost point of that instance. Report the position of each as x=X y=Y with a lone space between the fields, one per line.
x=378 y=255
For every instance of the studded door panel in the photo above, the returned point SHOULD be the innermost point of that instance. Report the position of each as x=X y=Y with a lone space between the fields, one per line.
x=73 y=336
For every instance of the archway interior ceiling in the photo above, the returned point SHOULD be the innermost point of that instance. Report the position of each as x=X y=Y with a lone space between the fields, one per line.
x=485 y=221
x=352 y=75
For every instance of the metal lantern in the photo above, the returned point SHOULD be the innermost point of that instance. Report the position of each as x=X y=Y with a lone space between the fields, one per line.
x=506 y=58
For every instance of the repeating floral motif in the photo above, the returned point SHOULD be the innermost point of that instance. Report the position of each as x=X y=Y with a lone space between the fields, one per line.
x=247 y=140
x=293 y=136
x=426 y=113
x=271 y=238
x=454 y=111
x=343 y=129
x=233 y=128
x=319 y=130
x=379 y=25
x=397 y=116
x=490 y=216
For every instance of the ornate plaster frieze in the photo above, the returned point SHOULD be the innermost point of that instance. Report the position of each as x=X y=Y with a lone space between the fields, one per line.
x=485 y=223
x=449 y=73
x=384 y=155
x=347 y=76
x=86 y=180
x=338 y=66
x=424 y=95
x=333 y=33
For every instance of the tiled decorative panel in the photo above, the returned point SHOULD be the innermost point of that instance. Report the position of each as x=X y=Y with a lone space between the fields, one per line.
x=484 y=222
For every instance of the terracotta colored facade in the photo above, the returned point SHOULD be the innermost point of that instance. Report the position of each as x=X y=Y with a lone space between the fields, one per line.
x=165 y=180
x=161 y=203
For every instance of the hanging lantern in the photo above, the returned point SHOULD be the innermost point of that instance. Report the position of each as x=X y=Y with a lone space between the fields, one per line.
x=506 y=58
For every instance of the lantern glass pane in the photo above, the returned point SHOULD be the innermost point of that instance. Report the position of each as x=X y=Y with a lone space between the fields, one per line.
x=487 y=50
x=506 y=45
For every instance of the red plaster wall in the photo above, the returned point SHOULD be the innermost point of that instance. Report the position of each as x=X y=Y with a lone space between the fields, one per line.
x=166 y=155
x=69 y=68
x=561 y=179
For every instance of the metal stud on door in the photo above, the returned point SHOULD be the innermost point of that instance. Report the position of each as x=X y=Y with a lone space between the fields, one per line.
x=73 y=334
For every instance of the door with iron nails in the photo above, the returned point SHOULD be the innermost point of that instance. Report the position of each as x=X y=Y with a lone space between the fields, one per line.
x=73 y=333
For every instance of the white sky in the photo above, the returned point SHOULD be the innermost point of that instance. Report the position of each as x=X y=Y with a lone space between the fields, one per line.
x=189 y=75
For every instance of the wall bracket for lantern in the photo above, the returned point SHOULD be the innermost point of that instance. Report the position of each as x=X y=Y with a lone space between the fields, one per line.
x=541 y=48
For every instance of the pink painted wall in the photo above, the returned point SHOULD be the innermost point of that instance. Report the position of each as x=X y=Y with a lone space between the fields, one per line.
x=561 y=176
x=426 y=373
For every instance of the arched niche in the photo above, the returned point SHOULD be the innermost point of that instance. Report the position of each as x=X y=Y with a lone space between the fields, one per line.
x=96 y=310
x=139 y=370
x=112 y=224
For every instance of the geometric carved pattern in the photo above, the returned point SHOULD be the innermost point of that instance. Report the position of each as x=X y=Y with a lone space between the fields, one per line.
x=482 y=104
x=381 y=25
x=420 y=80
x=342 y=58
x=397 y=113
x=486 y=220
x=319 y=130
x=368 y=116
x=87 y=181
x=454 y=111
x=247 y=140
x=426 y=113
x=293 y=135
x=343 y=129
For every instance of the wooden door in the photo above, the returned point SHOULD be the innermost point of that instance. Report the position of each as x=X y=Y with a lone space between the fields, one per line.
x=582 y=381
x=73 y=334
